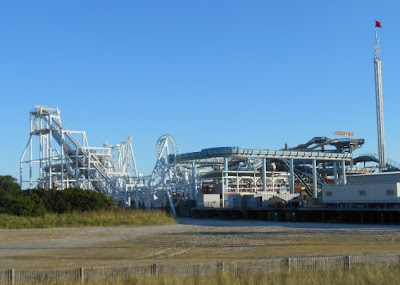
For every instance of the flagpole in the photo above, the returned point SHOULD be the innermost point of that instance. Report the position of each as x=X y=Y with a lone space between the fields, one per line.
x=376 y=43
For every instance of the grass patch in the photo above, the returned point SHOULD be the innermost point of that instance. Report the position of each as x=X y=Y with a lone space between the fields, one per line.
x=131 y=246
x=90 y=219
x=358 y=275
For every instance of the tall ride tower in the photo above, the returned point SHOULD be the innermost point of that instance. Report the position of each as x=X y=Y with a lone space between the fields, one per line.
x=379 y=101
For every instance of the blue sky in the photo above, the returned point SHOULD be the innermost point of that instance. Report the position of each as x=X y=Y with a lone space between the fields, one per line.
x=254 y=74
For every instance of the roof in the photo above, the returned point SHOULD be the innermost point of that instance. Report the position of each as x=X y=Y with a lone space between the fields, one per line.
x=261 y=153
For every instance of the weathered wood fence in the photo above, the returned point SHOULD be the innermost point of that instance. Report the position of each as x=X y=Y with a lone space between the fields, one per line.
x=14 y=276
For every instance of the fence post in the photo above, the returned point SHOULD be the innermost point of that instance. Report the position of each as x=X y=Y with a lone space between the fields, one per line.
x=154 y=269
x=82 y=274
x=288 y=265
x=348 y=262
x=220 y=266
x=11 y=276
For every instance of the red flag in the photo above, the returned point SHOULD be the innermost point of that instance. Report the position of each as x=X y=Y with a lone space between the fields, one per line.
x=378 y=24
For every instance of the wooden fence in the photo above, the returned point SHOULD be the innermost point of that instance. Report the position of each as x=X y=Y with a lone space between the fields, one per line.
x=14 y=276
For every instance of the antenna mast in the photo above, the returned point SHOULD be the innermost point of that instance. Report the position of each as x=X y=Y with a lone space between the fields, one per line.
x=379 y=101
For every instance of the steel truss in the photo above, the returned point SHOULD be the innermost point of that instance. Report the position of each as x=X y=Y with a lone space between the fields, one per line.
x=64 y=158
x=58 y=158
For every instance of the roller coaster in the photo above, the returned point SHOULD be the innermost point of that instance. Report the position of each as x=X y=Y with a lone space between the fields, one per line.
x=58 y=158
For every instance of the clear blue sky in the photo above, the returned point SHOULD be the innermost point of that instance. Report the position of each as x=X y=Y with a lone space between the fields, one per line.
x=254 y=74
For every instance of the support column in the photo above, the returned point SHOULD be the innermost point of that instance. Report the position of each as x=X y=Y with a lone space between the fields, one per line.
x=314 y=177
x=344 y=180
x=31 y=154
x=62 y=160
x=137 y=198
x=88 y=169
x=225 y=181
x=264 y=175
x=237 y=181
x=335 y=173
x=291 y=172
x=150 y=198
x=30 y=163
x=50 y=159
x=194 y=182
x=76 y=168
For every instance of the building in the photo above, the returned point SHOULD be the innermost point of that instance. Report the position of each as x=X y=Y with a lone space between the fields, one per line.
x=367 y=190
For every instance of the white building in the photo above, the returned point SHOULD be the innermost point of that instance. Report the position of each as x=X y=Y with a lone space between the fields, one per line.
x=367 y=188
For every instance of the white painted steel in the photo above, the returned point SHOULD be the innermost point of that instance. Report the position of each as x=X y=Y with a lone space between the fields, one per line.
x=379 y=105
x=65 y=159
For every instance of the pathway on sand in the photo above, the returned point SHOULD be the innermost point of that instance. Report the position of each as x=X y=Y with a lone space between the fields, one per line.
x=193 y=240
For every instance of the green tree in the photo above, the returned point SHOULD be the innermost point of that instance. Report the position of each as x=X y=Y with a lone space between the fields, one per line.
x=35 y=202
x=9 y=186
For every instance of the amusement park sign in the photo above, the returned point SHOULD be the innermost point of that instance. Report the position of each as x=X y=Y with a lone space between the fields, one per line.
x=346 y=134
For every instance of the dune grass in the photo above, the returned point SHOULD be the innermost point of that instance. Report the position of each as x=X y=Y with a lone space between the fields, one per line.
x=361 y=275
x=91 y=219
x=358 y=275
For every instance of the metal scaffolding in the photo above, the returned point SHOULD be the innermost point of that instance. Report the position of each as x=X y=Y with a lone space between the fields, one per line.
x=64 y=159
x=58 y=158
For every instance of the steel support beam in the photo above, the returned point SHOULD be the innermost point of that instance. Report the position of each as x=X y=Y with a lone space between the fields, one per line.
x=193 y=193
x=264 y=174
x=50 y=158
x=344 y=180
x=314 y=178
x=225 y=181
x=291 y=172
x=30 y=163
x=137 y=198
x=335 y=173
x=62 y=161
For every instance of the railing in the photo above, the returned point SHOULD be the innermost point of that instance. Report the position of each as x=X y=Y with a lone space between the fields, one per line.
x=361 y=205
x=212 y=204
x=189 y=269
x=83 y=157
x=390 y=164
x=256 y=153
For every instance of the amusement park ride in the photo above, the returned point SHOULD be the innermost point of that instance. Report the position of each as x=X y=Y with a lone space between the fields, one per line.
x=58 y=158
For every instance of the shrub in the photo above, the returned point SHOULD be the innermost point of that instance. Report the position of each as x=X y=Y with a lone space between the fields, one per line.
x=9 y=186
x=36 y=202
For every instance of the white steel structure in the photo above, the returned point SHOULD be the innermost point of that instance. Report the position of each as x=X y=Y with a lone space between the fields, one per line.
x=168 y=177
x=57 y=158
x=63 y=158
x=379 y=104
